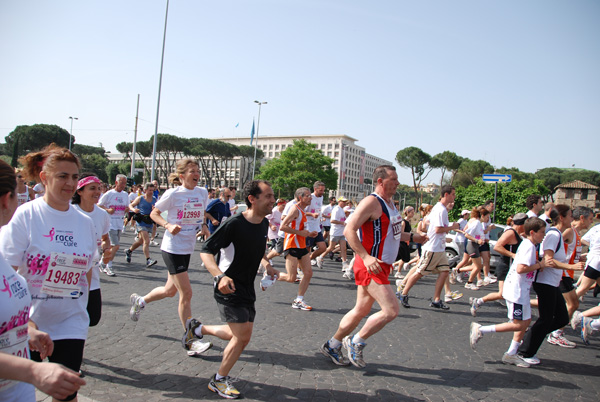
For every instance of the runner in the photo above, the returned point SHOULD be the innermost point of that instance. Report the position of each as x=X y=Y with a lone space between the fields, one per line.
x=185 y=206
x=241 y=242
x=52 y=245
x=313 y=221
x=24 y=192
x=141 y=207
x=379 y=223
x=84 y=200
x=507 y=246
x=116 y=203
x=434 y=259
x=295 y=252
x=336 y=235
x=516 y=293
x=17 y=370
x=326 y=218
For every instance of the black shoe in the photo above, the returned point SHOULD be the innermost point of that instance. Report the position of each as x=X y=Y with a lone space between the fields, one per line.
x=403 y=300
x=439 y=304
x=596 y=290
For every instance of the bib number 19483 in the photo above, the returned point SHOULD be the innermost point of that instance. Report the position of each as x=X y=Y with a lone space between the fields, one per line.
x=64 y=273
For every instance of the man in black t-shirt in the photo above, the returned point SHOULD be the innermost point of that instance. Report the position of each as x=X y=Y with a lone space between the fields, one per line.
x=241 y=241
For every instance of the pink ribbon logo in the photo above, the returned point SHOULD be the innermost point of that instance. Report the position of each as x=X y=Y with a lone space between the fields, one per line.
x=50 y=235
x=6 y=287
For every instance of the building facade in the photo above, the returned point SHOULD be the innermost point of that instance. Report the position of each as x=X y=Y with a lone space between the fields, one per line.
x=577 y=193
x=352 y=163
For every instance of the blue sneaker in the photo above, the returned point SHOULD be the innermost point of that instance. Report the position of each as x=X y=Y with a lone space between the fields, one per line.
x=335 y=354
x=355 y=352
x=128 y=255
x=403 y=300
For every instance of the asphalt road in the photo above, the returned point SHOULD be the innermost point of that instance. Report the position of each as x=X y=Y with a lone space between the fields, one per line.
x=423 y=355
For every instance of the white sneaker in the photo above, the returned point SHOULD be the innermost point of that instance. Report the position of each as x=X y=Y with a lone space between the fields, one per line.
x=153 y=243
x=198 y=347
x=576 y=319
x=348 y=275
x=108 y=271
x=475 y=334
x=492 y=279
x=345 y=265
x=320 y=262
x=313 y=262
x=514 y=360
x=471 y=286
x=267 y=281
x=480 y=283
x=531 y=360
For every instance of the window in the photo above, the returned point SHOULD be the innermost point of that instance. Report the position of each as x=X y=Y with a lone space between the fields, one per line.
x=329 y=146
x=329 y=153
x=322 y=146
x=276 y=146
x=337 y=154
x=270 y=146
x=270 y=154
x=337 y=146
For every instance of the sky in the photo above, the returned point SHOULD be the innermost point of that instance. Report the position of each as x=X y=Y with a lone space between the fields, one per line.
x=515 y=83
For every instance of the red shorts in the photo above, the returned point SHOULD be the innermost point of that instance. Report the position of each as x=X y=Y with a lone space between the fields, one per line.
x=363 y=278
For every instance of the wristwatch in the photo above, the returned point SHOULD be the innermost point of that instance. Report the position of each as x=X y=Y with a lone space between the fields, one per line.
x=217 y=278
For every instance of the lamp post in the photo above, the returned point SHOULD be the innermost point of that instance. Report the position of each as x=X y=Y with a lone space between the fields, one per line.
x=257 y=128
x=71 y=133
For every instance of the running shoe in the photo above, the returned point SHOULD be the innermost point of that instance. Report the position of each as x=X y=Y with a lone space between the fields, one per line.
x=474 y=306
x=459 y=277
x=348 y=275
x=150 y=262
x=576 y=319
x=403 y=300
x=560 y=340
x=398 y=275
x=355 y=352
x=491 y=278
x=452 y=277
x=189 y=335
x=136 y=308
x=345 y=266
x=586 y=329
x=198 y=347
x=399 y=286
x=480 y=283
x=515 y=360
x=224 y=387
x=153 y=243
x=313 y=262
x=471 y=286
x=475 y=335
x=299 y=304
x=320 y=262
x=335 y=354
x=448 y=298
x=456 y=295
x=438 y=304
x=267 y=281
x=108 y=271
x=128 y=255
x=532 y=361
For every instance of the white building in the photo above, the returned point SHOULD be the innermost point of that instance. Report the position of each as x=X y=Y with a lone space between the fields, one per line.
x=354 y=166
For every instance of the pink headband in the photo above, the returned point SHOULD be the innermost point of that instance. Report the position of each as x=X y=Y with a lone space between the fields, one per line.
x=87 y=180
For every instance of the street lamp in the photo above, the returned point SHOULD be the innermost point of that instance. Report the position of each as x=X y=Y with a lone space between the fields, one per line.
x=71 y=133
x=257 y=128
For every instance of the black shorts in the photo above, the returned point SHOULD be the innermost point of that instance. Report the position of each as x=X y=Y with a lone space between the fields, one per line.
x=130 y=215
x=501 y=271
x=237 y=314
x=69 y=353
x=484 y=247
x=295 y=252
x=566 y=284
x=473 y=249
x=94 y=307
x=326 y=228
x=591 y=273
x=311 y=241
x=272 y=244
x=176 y=263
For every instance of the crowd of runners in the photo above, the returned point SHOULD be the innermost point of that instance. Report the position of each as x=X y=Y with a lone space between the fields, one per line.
x=60 y=235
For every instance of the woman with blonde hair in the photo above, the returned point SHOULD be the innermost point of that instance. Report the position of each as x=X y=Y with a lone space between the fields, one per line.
x=185 y=206
x=52 y=245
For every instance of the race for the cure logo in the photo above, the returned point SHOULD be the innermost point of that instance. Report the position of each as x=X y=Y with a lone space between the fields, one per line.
x=15 y=288
x=50 y=235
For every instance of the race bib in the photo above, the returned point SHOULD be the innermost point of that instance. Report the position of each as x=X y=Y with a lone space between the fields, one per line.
x=193 y=213
x=397 y=226
x=63 y=275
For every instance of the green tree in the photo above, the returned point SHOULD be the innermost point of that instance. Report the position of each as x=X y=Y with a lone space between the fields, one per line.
x=418 y=162
x=299 y=165
x=516 y=174
x=96 y=164
x=471 y=170
x=447 y=161
x=24 y=139
x=509 y=201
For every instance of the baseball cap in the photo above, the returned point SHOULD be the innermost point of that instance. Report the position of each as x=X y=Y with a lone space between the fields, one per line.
x=519 y=219
x=464 y=211
x=342 y=199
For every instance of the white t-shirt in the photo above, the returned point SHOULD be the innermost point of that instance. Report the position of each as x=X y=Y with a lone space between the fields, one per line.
x=286 y=211
x=593 y=237
x=437 y=218
x=101 y=220
x=119 y=201
x=231 y=203
x=475 y=228
x=132 y=196
x=28 y=241
x=460 y=238
x=485 y=227
x=337 y=214
x=274 y=219
x=316 y=205
x=174 y=201
x=531 y=214
x=552 y=276
x=517 y=286
x=39 y=190
x=15 y=302
x=545 y=218
x=326 y=215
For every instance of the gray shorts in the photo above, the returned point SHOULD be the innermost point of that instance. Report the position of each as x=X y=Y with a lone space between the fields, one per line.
x=115 y=237
x=279 y=245
x=337 y=238
x=237 y=314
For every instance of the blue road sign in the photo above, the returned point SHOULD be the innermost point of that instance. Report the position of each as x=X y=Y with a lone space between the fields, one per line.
x=497 y=178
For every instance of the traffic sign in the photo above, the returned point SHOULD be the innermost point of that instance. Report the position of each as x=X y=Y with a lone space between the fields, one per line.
x=497 y=178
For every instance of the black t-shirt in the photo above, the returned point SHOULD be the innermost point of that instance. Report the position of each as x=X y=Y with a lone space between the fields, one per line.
x=243 y=245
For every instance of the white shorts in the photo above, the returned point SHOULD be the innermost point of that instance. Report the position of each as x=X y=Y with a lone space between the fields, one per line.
x=521 y=312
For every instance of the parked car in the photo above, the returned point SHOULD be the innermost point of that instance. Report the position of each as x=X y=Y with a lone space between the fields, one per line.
x=241 y=208
x=495 y=233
